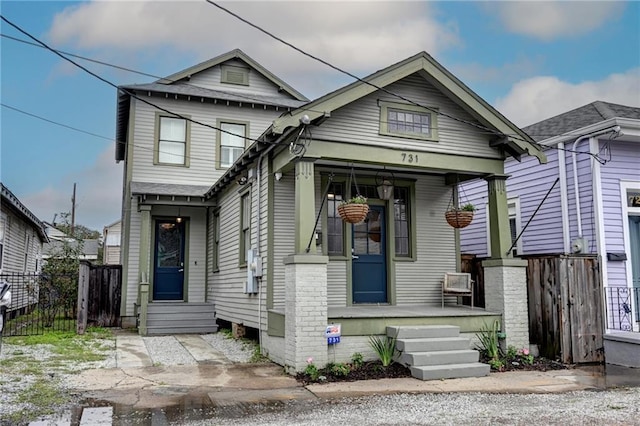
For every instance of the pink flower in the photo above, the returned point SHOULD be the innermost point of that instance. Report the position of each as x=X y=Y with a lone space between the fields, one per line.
x=525 y=351
x=309 y=360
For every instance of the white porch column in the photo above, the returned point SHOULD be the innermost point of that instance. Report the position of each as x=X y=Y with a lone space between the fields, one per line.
x=305 y=311
x=505 y=288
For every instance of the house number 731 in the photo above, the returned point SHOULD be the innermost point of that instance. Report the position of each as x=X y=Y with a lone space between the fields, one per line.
x=409 y=158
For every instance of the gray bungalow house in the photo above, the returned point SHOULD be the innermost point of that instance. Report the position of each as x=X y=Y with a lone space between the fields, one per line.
x=257 y=236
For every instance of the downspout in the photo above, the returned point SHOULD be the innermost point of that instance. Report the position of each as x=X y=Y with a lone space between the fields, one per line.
x=613 y=129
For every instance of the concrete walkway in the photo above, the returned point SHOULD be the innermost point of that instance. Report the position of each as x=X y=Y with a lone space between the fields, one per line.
x=138 y=384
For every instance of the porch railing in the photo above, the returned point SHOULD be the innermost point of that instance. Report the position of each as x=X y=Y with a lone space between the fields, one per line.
x=623 y=308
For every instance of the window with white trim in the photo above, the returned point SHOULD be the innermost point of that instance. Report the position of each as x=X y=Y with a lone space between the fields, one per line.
x=231 y=142
x=172 y=141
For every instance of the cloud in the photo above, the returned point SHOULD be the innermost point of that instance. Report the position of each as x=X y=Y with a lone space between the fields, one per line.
x=547 y=20
x=522 y=66
x=98 y=194
x=357 y=36
x=539 y=98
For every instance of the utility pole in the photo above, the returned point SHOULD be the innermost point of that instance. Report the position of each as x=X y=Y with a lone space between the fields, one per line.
x=73 y=209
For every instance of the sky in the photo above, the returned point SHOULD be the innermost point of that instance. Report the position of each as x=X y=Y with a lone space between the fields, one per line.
x=530 y=60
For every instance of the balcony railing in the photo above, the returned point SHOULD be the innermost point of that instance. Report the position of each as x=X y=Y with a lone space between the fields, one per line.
x=623 y=308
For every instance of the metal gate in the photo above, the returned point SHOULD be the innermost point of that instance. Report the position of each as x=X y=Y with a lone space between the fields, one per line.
x=40 y=303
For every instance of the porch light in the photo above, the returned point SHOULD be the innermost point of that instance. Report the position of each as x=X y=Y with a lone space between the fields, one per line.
x=179 y=218
x=384 y=185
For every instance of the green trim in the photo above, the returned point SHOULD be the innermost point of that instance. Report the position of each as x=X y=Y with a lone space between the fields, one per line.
x=306 y=259
x=517 y=263
x=377 y=325
x=215 y=261
x=437 y=75
x=275 y=324
x=225 y=69
x=126 y=216
x=406 y=158
x=499 y=229
x=156 y=140
x=305 y=206
x=384 y=120
x=245 y=196
x=219 y=124
x=234 y=54
x=270 y=235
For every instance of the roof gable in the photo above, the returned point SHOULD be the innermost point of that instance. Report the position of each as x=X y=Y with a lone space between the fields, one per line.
x=509 y=136
x=579 y=118
x=229 y=56
x=8 y=199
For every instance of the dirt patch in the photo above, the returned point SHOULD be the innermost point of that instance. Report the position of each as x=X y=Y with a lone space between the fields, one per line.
x=369 y=370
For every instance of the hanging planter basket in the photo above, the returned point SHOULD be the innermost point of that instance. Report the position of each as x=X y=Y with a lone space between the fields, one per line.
x=352 y=212
x=459 y=218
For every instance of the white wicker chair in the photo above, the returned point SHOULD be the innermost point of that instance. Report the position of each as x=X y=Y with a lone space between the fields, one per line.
x=457 y=284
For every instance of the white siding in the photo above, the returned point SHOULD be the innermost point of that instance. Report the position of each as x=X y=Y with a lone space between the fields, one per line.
x=202 y=168
x=20 y=238
x=359 y=121
x=258 y=84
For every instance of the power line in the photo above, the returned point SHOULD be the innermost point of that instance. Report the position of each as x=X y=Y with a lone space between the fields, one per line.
x=322 y=61
x=133 y=95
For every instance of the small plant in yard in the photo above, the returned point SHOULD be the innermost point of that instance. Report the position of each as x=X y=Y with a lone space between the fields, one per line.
x=488 y=338
x=385 y=348
x=357 y=360
x=311 y=370
x=519 y=356
x=339 y=369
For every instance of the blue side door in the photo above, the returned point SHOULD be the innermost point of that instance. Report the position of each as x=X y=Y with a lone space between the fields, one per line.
x=369 y=264
x=168 y=272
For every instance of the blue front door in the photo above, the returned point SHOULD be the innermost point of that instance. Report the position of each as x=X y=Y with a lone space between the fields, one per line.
x=168 y=271
x=369 y=266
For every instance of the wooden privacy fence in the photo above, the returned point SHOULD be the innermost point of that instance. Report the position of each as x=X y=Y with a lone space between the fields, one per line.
x=565 y=298
x=566 y=307
x=99 y=295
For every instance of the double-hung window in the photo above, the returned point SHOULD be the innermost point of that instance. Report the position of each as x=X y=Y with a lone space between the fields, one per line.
x=245 y=226
x=231 y=142
x=172 y=141
x=408 y=121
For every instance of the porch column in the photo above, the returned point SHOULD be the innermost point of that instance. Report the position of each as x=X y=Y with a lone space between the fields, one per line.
x=305 y=206
x=499 y=231
x=505 y=277
x=305 y=311
x=145 y=244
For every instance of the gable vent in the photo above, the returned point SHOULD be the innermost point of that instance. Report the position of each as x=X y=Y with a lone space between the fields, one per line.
x=235 y=75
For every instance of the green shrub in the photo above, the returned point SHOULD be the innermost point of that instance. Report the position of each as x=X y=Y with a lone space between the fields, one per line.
x=339 y=369
x=357 y=360
x=488 y=338
x=385 y=348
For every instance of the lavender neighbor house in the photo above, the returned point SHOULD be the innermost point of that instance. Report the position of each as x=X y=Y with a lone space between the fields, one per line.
x=581 y=209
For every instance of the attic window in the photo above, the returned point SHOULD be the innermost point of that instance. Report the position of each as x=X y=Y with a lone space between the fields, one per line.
x=235 y=75
x=408 y=121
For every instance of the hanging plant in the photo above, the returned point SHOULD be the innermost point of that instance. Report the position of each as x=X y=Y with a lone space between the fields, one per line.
x=460 y=217
x=354 y=210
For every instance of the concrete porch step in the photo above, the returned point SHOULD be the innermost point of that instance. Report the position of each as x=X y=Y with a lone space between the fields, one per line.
x=453 y=371
x=423 y=331
x=432 y=344
x=417 y=359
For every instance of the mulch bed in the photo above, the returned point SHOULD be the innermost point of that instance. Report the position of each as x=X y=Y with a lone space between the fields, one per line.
x=372 y=370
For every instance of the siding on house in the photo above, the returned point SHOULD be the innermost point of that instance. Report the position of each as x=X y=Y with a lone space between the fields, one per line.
x=22 y=249
x=623 y=165
x=529 y=181
x=258 y=84
x=284 y=234
x=358 y=122
x=133 y=269
x=585 y=190
x=202 y=152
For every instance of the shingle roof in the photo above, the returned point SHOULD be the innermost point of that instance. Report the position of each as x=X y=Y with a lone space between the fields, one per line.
x=168 y=189
x=578 y=118
x=201 y=92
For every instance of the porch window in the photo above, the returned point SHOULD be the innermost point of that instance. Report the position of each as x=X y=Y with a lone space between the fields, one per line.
x=407 y=120
x=401 y=216
x=245 y=227
x=172 y=141
x=216 y=241
x=231 y=142
x=335 y=226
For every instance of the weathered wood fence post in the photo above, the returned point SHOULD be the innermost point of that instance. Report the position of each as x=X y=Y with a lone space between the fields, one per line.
x=83 y=296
